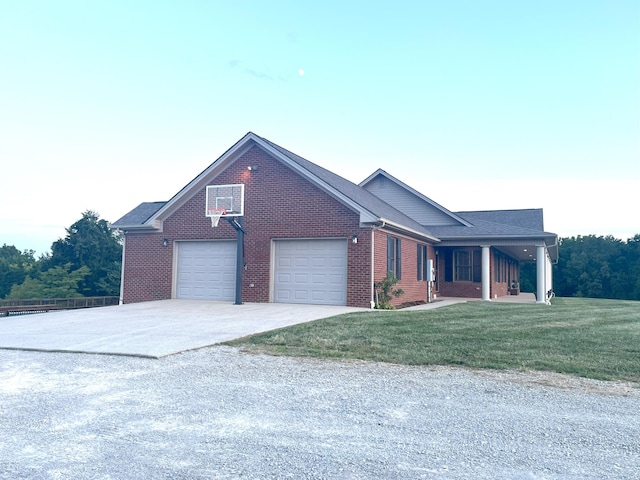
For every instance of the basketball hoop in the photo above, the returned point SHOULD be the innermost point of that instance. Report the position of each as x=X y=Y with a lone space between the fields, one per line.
x=215 y=214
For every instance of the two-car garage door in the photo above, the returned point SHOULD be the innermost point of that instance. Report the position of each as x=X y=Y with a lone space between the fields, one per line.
x=312 y=271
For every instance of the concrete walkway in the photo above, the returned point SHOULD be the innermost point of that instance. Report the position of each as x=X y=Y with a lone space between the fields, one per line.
x=153 y=329
x=446 y=301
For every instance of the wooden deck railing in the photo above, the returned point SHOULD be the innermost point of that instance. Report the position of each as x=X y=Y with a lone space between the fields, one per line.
x=34 y=305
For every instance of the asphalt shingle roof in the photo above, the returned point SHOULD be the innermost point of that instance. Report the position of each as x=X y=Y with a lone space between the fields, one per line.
x=139 y=215
x=495 y=223
x=491 y=223
x=526 y=218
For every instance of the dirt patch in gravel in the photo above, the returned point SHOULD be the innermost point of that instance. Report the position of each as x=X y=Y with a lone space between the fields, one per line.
x=559 y=380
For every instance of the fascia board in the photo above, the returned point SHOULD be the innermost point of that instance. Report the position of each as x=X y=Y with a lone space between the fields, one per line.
x=411 y=231
x=138 y=228
x=503 y=240
x=485 y=238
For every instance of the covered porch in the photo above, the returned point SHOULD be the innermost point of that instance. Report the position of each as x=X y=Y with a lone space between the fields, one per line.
x=480 y=269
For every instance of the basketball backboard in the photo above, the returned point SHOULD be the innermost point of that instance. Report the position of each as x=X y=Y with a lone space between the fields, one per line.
x=227 y=198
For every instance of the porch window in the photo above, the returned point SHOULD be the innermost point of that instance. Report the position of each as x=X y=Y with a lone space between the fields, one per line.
x=393 y=257
x=467 y=266
x=462 y=266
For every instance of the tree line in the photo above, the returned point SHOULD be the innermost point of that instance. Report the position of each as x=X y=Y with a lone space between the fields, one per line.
x=85 y=263
x=593 y=266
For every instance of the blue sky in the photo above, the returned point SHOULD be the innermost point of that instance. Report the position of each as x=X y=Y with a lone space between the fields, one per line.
x=477 y=104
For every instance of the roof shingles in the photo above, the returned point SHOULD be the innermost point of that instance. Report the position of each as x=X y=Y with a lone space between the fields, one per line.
x=492 y=223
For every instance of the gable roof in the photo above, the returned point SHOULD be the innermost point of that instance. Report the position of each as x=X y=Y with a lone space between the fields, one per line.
x=491 y=223
x=527 y=218
x=372 y=209
x=381 y=173
x=138 y=216
x=472 y=226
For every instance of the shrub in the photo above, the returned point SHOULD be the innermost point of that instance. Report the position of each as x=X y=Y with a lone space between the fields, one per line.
x=385 y=292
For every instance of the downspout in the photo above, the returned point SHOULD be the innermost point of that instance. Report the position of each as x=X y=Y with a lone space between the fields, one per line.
x=373 y=286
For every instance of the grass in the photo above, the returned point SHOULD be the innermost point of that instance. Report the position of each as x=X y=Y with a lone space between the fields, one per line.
x=591 y=338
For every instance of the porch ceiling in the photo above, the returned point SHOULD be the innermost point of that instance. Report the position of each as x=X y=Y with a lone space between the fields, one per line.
x=523 y=253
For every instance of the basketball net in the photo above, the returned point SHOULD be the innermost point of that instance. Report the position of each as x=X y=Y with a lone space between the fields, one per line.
x=215 y=214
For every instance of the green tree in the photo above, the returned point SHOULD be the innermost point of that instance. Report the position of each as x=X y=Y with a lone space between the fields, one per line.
x=90 y=243
x=598 y=267
x=528 y=277
x=57 y=282
x=14 y=267
x=592 y=266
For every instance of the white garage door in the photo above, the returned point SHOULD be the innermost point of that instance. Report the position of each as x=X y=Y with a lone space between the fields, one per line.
x=311 y=271
x=206 y=270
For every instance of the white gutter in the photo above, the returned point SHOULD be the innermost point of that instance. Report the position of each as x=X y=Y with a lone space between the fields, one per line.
x=409 y=230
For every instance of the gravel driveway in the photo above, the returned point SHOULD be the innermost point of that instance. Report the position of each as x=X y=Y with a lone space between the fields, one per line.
x=220 y=413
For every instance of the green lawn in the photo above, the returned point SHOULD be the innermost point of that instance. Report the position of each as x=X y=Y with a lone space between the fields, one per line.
x=585 y=337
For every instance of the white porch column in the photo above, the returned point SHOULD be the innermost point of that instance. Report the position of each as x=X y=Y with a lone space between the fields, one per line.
x=486 y=273
x=541 y=262
x=124 y=245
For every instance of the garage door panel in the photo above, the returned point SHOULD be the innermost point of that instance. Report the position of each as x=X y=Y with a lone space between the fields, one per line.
x=283 y=278
x=337 y=262
x=301 y=295
x=311 y=271
x=206 y=270
x=301 y=278
x=283 y=296
x=301 y=262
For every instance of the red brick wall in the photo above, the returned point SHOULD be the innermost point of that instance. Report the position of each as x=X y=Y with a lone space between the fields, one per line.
x=414 y=291
x=148 y=266
x=279 y=203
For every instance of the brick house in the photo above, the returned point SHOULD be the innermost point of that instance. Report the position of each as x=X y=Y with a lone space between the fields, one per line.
x=310 y=236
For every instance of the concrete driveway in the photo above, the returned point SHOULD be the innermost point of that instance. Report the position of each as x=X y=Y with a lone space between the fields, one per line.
x=153 y=329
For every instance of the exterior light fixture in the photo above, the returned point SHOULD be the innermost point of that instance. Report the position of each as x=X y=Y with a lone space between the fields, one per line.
x=354 y=239
x=252 y=168
x=165 y=242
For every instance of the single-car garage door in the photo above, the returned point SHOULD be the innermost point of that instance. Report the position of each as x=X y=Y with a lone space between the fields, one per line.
x=311 y=271
x=206 y=270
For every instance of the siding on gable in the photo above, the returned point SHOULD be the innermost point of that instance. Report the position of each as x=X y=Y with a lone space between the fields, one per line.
x=408 y=203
